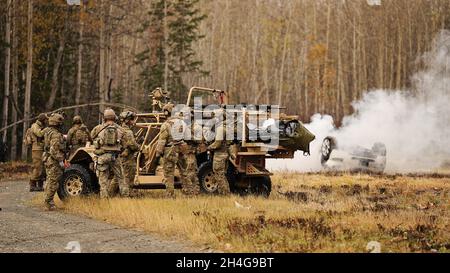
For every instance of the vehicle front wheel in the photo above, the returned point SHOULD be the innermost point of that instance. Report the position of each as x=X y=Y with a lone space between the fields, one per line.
x=77 y=180
x=205 y=177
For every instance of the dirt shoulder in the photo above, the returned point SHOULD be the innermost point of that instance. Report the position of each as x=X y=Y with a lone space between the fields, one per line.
x=27 y=229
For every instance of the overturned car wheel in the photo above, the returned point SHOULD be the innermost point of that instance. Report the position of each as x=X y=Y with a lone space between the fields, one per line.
x=77 y=181
x=328 y=145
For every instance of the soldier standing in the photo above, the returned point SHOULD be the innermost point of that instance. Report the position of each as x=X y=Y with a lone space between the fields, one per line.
x=192 y=186
x=37 y=141
x=171 y=145
x=53 y=157
x=220 y=157
x=78 y=135
x=128 y=155
x=160 y=99
x=108 y=138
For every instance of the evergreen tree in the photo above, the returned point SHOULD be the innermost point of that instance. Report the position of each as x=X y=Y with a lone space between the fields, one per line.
x=181 y=20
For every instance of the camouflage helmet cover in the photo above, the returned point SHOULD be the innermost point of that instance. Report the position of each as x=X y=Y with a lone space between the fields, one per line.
x=127 y=115
x=159 y=93
x=77 y=120
x=42 y=117
x=55 y=120
x=167 y=109
x=109 y=114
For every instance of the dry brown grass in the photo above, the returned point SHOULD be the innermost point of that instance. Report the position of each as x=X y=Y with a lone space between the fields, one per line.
x=305 y=213
x=14 y=171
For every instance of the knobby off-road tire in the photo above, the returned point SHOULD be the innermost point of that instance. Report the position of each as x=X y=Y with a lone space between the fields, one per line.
x=205 y=178
x=77 y=180
x=328 y=145
x=261 y=186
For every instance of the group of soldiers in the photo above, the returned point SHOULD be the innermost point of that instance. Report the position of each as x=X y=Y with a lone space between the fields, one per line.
x=116 y=149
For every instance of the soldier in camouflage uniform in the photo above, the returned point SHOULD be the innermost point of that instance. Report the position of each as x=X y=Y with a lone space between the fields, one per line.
x=191 y=186
x=128 y=155
x=171 y=145
x=108 y=142
x=37 y=138
x=160 y=99
x=221 y=156
x=53 y=158
x=78 y=135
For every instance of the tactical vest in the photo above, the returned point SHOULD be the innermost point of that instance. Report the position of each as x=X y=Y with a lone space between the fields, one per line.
x=110 y=138
x=79 y=137
x=177 y=131
x=37 y=142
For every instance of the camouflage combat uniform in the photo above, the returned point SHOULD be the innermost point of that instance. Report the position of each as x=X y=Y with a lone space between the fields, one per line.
x=192 y=186
x=107 y=159
x=220 y=159
x=37 y=150
x=53 y=157
x=174 y=149
x=77 y=137
x=160 y=98
x=128 y=158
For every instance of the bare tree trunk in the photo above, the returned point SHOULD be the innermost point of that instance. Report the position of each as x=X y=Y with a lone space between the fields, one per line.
x=29 y=75
x=339 y=66
x=108 y=60
x=7 y=70
x=327 y=57
x=166 y=48
x=80 y=60
x=354 y=62
x=398 y=83
x=101 y=81
x=306 y=98
x=15 y=92
x=283 y=58
x=55 y=75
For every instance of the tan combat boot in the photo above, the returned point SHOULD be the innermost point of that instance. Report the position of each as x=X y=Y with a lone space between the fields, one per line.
x=50 y=206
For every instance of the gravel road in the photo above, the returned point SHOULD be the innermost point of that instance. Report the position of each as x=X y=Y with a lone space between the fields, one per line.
x=27 y=229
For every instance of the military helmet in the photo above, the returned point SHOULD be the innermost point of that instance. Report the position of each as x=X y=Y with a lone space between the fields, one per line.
x=127 y=115
x=42 y=117
x=167 y=109
x=159 y=93
x=109 y=114
x=77 y=120
x=55 y=120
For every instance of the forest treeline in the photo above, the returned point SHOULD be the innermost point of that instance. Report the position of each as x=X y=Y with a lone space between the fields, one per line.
x=309 y=56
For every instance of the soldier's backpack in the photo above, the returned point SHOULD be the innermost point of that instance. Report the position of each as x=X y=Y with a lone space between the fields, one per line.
x=110 y=138
x=80 y=136
x=28 y=139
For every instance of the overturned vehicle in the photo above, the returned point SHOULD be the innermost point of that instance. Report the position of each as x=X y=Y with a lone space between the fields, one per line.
x=247 y=173
x=352 y=158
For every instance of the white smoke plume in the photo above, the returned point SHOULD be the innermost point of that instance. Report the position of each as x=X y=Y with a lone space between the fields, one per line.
x=414 y=124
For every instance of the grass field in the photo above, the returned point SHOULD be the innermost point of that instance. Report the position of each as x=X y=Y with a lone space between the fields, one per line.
x=305 y=213
x=14 y=171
